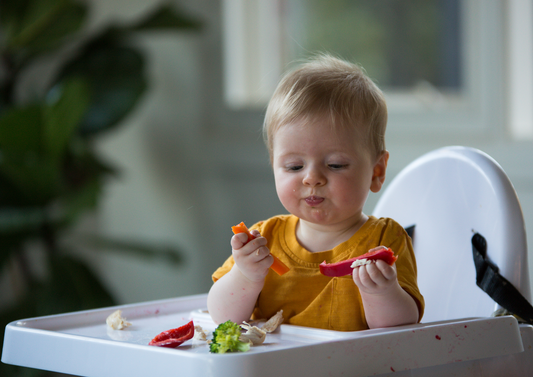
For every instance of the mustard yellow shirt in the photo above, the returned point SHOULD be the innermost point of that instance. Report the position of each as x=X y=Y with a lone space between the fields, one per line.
x=311 y=299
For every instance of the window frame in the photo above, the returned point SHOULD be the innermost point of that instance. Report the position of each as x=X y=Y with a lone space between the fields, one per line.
x=519 y=68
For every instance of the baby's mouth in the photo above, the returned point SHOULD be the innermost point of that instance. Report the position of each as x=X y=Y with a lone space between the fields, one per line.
x=314 y=200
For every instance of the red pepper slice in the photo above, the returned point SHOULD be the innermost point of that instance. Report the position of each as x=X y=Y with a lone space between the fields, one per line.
x=173 y=338
x=344 y=267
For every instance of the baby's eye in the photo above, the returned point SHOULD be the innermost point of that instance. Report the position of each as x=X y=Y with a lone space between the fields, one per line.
x=294 y=168
x=337 y=166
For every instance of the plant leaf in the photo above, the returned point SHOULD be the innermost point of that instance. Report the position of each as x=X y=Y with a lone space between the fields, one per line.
x=11 y=15
x=22 y=161
x=10 y=195
x=17 y=226
x=39 y=180
x=20 y=130
x=166 y=17
x=140 y=249
x=82 y=166
x=20 y=219
x=73 y=286
x=77 y=202
x=116 y=79
x=11 y=243
x=39 y=25
x=62 y=117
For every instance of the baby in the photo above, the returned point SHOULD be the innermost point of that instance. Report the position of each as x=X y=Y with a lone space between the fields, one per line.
x=324 y=129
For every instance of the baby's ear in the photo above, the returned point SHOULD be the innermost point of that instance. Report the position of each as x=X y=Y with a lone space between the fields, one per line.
x=380 y=168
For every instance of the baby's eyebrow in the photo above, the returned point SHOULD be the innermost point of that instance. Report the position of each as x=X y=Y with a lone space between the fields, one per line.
x=338 y=154
x=290 y=154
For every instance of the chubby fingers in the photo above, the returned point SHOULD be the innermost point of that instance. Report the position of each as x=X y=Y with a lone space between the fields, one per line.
x=241 y=239
x=255 y=248
x=251 y=258
x=374 y=275
x=387 y=271
x=255 y=233
x=238 y=241
x=261 y=253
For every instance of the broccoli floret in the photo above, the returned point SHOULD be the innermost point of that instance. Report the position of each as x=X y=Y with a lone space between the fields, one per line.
x=226 y=339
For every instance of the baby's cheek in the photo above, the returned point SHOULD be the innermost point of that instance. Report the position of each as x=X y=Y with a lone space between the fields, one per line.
x=287 y=194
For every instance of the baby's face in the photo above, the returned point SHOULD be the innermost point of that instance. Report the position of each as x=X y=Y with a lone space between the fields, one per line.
x=322 y=176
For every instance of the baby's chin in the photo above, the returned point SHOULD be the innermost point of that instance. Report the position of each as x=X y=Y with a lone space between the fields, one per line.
x=319 y=217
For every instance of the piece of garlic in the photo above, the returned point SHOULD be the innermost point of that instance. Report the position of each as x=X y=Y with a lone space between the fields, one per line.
x=116 y=321
x=253 y=334
x=273 y=323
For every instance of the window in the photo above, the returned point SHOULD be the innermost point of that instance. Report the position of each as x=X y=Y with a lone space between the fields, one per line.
x=402 y=44
x=444 y=65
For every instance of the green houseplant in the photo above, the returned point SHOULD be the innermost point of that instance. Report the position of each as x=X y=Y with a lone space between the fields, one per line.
x=50 y=174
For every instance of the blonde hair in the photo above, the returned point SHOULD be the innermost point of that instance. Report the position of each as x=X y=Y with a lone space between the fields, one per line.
x=329 y=87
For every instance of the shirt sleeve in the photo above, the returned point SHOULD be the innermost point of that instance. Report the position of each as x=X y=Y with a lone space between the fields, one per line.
x=400 y=242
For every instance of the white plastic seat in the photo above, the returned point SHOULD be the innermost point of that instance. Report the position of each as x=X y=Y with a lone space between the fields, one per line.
x=449 y=194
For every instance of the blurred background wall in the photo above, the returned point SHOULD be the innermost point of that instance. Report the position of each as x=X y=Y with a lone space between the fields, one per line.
x=192 y=157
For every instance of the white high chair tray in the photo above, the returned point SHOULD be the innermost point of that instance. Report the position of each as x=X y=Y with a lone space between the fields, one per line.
x=81 y=343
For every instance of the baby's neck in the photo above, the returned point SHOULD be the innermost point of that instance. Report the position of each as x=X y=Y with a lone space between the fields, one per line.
x=316 y=237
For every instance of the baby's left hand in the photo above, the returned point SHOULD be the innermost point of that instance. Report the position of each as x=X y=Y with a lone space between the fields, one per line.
x=375 y=278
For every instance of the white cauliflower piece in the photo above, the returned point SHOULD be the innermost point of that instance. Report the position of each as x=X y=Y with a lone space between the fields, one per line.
x=116 y=321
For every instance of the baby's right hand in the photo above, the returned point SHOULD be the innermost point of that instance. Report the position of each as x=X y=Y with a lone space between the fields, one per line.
x=253 y=258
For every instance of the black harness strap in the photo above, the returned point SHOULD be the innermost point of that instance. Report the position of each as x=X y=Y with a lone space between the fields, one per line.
x=495 y=285
x=410 y=231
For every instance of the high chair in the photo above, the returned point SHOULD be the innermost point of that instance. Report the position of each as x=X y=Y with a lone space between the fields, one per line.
x=447 y=196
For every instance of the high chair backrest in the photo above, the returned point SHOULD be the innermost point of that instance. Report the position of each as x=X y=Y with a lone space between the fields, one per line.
x=449 y=194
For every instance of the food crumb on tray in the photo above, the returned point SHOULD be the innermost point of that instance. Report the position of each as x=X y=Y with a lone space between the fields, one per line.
x=199 y=333
x=116 y=321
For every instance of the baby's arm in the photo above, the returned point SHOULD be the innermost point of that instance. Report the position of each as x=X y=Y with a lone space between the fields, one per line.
x=385 y=302
x=234 y=295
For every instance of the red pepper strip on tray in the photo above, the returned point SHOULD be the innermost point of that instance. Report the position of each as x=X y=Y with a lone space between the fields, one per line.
x=344 y=267
x=278 y=266
x=173 y=338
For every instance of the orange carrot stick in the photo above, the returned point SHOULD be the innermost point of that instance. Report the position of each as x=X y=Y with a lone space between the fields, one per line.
x=278 y=266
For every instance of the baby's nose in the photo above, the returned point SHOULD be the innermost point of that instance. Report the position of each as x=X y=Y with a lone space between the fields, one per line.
x=314 y=177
